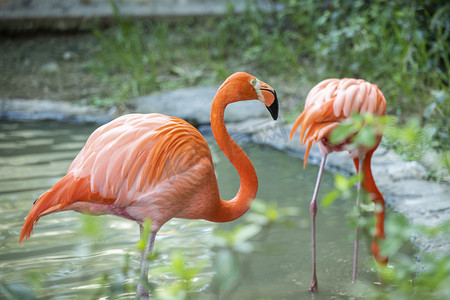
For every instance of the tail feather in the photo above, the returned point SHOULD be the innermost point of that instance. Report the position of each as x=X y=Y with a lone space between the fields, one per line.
x=305 y=159
x=297 y=123
x=62 y=194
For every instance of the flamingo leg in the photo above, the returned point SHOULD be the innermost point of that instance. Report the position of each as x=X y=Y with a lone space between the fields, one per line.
x=355 y=252
x=313 y=210
x=141 y=291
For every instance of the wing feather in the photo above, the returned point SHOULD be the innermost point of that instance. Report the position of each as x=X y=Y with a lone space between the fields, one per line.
x=349 y=99
x=136 y=153
x=381 y=103
x=332 y=100
x=338 y=104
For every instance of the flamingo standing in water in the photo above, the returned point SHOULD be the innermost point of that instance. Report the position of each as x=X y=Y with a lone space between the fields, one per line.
x=327 y=104
x=152 y=166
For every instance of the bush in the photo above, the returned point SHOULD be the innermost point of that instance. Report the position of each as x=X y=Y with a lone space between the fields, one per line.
x=402 y=46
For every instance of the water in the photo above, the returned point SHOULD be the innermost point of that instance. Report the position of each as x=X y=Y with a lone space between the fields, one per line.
x=60 y=261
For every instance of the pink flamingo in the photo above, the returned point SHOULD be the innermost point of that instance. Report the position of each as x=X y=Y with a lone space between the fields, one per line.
x=327 y=104
x=152 y=166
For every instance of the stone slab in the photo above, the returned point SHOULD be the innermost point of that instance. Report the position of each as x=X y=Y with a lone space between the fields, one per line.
x=83 y=14
x=194 y=105
x=53 y=110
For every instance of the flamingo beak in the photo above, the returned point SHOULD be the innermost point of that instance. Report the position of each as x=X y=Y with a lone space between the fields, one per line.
x=273 y=108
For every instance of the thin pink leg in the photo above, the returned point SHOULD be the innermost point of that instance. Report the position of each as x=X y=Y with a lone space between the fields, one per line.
x=313 y=210
x=355 y=252
x=141 y=291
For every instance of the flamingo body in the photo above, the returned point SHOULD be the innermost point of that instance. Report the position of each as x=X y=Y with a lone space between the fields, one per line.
x=327 y=104
x=138 y=166
x=330 y=102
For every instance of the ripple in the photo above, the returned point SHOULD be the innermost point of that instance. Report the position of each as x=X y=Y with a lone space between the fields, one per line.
x=70 y=264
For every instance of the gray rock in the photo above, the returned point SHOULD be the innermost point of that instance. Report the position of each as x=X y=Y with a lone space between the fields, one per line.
x=194 y=104
x=50 y=67
x=406 y=170
x=88 y=14
x=52 y=110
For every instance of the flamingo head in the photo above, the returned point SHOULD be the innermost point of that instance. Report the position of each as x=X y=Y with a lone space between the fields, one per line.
x=242 y=86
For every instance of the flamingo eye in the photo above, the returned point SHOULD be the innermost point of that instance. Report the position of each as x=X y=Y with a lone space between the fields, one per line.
x=253 y=81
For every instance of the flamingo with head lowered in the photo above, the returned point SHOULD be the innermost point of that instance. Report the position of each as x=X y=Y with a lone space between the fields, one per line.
x=152 y=166
x=327 y=104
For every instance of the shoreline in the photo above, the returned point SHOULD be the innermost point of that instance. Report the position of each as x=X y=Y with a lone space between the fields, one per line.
x=401 y=182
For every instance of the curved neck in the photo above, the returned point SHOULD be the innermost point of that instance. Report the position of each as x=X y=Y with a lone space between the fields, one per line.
x=368 y=183
x=236 y=207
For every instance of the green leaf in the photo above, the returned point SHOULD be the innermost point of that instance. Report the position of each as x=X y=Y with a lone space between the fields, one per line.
x=365 y=137
x=341 y=182
x=91 y=226
x=272 y=214
x=227 y=270
x=341 y=133
x=330 y=197
x=145 y=234
x=245 y=233
x=354 y=179
x=367 y=207
x=178 y=263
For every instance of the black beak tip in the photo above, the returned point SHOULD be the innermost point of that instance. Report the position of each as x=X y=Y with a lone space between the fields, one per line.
x=273 y=109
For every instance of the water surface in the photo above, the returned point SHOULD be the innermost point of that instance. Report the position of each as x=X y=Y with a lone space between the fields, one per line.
x=59 y=261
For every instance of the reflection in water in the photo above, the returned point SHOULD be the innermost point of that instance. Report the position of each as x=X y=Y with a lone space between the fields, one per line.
x=66 y=263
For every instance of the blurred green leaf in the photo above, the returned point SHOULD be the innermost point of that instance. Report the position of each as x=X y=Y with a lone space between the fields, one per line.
x=330 y=198
x=227 y=270
x=341 y=182
x=145 y=235
x=342 y=133
x=244 y=233
x=265 y=214
x=367 y=207
x=92 y=226
x=366 y=137
x=180 y=268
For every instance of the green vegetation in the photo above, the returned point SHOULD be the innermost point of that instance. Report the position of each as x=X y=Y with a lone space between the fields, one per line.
x=418 y=275
x=411 y=140
x=422 y=275
x=402 y=46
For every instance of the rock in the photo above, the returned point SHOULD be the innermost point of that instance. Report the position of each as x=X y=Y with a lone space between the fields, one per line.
x=50 y=67
x=89 y=14
x=194 y=104
x=52 y=110
x=69 y=55
x=406 y=170
x=435 y=163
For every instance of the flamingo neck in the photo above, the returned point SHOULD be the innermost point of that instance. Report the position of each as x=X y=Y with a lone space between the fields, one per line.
x=236 y=207
x=369 y=185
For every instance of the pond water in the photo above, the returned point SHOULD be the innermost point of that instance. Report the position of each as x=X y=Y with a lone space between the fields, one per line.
x=60 y=261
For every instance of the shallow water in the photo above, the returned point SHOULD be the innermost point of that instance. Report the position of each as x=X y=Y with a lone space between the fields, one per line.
x=59 y=261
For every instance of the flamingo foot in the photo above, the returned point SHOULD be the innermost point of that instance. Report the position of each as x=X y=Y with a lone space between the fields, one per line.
x=313 y=286
x=141 y=292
